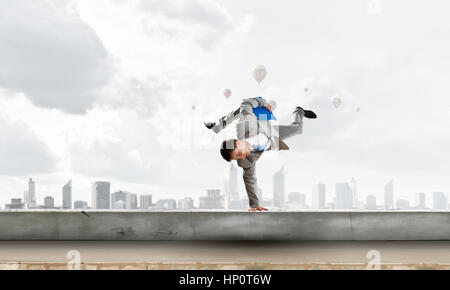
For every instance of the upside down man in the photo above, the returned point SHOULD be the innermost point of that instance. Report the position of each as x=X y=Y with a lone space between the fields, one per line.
x=256 y=135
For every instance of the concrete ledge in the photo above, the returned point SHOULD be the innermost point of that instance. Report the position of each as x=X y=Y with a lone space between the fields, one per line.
x=224 y=225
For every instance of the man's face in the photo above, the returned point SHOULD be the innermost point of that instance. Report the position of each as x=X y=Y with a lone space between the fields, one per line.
x=241 y=151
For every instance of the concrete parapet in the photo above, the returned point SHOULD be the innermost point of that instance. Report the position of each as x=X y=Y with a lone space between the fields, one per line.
x=224 y=225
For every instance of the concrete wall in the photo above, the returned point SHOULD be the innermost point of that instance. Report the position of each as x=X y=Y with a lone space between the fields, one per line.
x=222 y=225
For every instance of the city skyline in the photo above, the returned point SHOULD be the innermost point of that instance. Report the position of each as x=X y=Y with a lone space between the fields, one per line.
x=344 y=197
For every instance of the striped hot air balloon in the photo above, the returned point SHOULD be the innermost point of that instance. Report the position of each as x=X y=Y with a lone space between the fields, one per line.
x=259 y=73
x=227 y=93
x=337 y=102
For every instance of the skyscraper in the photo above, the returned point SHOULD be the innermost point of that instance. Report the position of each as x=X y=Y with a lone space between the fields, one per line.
x=67 y=195
x=259 y=193
x=354 y=188
x=100 y=195
x=371 y=202
x=344 y=196
x=131 y=201
x=389 y=195
x=16 y=203
x=169 y=204
x=440 y=200
x=49 y=202
x=186 y=203
x=230 y=188
x=296 y=200
x=119 y=199
x=420 y=200
x=294 y=197
x=124 y=200
x=278 y=188
x=145 y=201
x=25 y=199
x=318 y=200
x=80 y=204
x=213 y=200
x=402 y=204
x=30 y=195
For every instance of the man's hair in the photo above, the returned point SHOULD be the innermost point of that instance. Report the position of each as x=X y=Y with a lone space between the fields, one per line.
x=227 y=148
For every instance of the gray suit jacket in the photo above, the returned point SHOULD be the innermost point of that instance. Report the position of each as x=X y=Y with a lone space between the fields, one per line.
x=249 y=126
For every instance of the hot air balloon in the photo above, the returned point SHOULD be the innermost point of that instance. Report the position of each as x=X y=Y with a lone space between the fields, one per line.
x=273 y=104
x=259 y=73
x=227 y=93
x=337 y=102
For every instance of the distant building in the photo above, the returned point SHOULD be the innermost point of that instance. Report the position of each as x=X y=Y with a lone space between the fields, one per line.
x=344 y=196
x=389 y=195
x=101 y=195
x=259 y=194
x=440 y=201
x=403 y=204
x=230 y=188
x=79 y=204
x=131 y=201
x=67 y=195
x=371 y=202
x=118 y=199
x=16 y=203
x=213 y=200
x=318 y=198
x=49 y=202
x=420 y=200
x=123 y=200
x=268 y=202
x=296 y=200
x=30 y=195
x=186 y=203
x=354 y=188
x=118 y=204
x=25 y=197
x=145 y=201
x=294 y=197
x=278 y=188
x=168 y=204
x=242 y=203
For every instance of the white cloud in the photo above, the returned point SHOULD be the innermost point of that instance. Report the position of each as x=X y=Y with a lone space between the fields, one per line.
x=205 y=21
x=52 y=56
x=109 y=158
x=143 y=95
x=22 y=152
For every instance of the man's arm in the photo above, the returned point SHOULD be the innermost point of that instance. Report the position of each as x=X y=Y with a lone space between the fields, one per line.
x=251 y=185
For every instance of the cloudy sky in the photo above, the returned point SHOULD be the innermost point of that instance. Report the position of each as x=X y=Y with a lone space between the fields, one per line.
x=105 y=90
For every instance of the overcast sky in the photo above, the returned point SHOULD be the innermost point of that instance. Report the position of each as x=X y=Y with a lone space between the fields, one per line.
x=105 y=89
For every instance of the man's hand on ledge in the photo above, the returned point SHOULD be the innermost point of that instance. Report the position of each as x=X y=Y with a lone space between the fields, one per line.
x=257 y=208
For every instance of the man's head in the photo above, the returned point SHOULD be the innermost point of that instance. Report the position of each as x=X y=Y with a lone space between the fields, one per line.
x=233 y=149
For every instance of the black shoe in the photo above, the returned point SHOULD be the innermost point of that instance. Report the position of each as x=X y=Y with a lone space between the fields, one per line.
x=308 y=114
x=209 y=125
